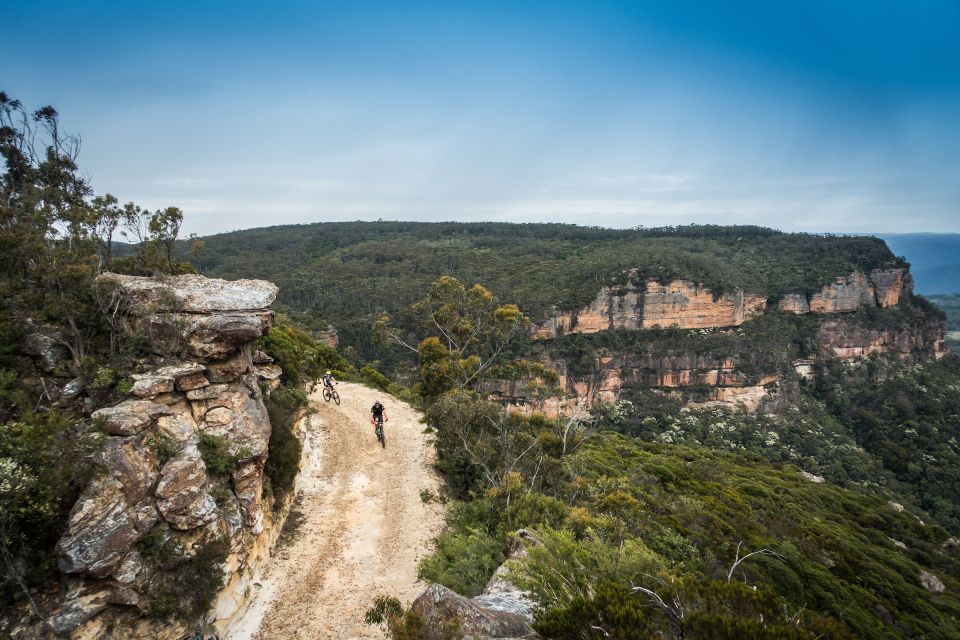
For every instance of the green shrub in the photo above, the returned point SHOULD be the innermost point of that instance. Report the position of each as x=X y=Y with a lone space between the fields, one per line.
x=300 y=356
x=283 y=459
x=186 y=588
x=404 y=624
x=374 y=378
x=46 y=459
x=463 y=562
x=611 y=612
x=162 y=446
x=215 y=451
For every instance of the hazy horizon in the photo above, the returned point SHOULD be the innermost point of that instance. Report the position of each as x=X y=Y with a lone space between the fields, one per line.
x=819 y=116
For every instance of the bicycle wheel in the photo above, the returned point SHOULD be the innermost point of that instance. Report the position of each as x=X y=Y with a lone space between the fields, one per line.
x=327 y=394
x=335 y=396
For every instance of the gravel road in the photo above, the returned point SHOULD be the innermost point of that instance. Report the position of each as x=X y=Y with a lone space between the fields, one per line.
x=364 y=526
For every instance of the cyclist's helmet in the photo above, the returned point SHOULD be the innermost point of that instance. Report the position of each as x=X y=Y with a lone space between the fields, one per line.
x=329 y=374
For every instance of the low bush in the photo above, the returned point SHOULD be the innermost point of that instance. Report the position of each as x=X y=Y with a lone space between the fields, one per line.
x=283 y=460
x=463 y=562
x=185 y=586
x=215 y=451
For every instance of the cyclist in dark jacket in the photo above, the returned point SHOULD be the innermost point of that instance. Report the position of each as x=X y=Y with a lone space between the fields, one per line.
x=378 y=414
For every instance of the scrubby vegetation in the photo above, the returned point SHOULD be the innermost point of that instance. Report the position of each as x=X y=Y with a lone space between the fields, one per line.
x=623 y=524
x=951 y=306
x=349 y=273
x=699 y=523
x=283 y=459
x=187 y=580
x=55 y=238
x=302 y=358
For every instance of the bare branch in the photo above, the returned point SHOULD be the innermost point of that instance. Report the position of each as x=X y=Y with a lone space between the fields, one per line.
x=738 y=559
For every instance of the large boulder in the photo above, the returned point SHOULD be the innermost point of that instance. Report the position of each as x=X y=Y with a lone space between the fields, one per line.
x=131 y=466
x=183 y=499
x=204 y=336
x=238 y=416
x=130 y=417
x=501 y=594
x=192 y=293
x=100 y=532
x=46 y=347
x=439 y=606
x=248 y=487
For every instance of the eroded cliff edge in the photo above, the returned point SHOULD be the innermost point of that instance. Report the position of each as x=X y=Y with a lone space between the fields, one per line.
x=178 y=501
x=683 y=339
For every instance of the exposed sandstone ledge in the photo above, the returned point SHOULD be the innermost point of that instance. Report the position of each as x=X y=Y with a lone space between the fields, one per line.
x=711 y=380
x=686 y=305
x=881 y=288
x=846 y=341
x=192 y=293
x=679 y=303
x=207 y=384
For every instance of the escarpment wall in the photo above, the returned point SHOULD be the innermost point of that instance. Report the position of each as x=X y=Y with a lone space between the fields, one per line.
x=880 y=288
x=687 y=305
x=679 y=303
x=706 y=378
x=156 y=502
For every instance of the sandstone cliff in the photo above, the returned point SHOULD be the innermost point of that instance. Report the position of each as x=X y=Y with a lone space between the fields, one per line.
x=679 y=303
x=157 y=504
x=881 y=287
x=686 y=305
x=704 y=377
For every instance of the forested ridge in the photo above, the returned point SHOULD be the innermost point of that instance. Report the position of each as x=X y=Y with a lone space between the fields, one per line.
x=832 y=515
x=348 y=273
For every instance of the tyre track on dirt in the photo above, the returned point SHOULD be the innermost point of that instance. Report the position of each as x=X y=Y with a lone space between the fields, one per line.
x=364 y=529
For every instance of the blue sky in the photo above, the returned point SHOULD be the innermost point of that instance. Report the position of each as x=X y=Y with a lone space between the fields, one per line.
x=834 y=116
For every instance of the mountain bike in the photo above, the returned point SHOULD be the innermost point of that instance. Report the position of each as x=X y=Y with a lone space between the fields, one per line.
x=329 y=393
x=379 y=431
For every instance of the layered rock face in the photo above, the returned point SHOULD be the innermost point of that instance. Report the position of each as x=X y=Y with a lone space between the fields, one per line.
x=838 y=339
x=707 y=379
x=881 y=288
x=716 y=380
x=679 y=303
x=501 y=612
x=686 y=305
x=155 y=481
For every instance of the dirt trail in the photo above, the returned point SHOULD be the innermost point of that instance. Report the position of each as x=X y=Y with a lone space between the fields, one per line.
x=365 y=527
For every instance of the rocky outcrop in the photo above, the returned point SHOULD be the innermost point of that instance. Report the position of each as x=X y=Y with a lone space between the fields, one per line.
x=191 y=294
x=329 y=337
x=154 y=475
x=679 y=303
x=45 y=346
x=503 y=611
x=442 y=608
x=687 y=305
x=880 y=288
x=852 y=341
x=500 y=593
